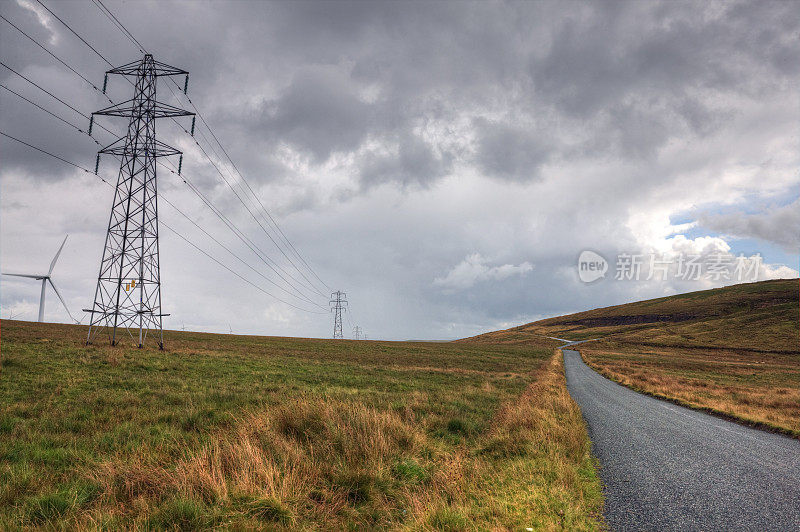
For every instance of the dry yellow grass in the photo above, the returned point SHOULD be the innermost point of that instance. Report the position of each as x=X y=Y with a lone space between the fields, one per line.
x=760 y=389
x=313 y=459
x=546 y=452
x=310 y=457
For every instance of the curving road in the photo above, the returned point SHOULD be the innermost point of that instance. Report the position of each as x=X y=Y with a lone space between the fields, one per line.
x=665 y=467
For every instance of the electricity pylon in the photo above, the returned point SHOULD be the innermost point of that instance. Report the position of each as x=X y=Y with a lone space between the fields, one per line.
x=339 y=304
x=357 y=332
x=128 y=293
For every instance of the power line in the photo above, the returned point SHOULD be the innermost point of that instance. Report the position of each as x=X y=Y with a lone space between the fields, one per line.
x=55 y=98
x=122 y=28
x=252 y=192
x=107 y=12
x=45 y=152
x=130 y=36
x=223 y=246
x=76 y=34
x=263 y=258
x=162 y=222
x=236 y=274
x=252 y=216
x=45 y=110
x=238 y=233
x=136 y=42
x=43 y=89
x=51 y=54
x=260 y=254
x=112 y=133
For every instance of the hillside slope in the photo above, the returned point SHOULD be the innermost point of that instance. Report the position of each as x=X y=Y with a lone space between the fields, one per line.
x=761 y=316
x=732 y=351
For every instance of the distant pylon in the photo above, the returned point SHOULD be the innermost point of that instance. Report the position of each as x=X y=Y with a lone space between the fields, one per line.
x=128 y=293
x=357 y=332
x=339 y=304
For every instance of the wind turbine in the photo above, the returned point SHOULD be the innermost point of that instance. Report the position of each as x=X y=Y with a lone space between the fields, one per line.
x=46 y=279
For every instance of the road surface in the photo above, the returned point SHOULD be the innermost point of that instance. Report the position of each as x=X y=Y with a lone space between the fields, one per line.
x=665 y=467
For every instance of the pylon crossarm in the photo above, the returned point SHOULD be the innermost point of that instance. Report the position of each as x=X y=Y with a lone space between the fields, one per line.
x=130 y=109
x=158 y=68
x=128 y=69
x=163 y=69
x=119 y=148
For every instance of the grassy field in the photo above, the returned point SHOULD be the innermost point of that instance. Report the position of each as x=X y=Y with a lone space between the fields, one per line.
x=242 y=433
x=733 y=351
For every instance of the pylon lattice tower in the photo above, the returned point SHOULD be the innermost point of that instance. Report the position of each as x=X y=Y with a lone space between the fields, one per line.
x=128 y=294
x=357 y=332
x=339 y=305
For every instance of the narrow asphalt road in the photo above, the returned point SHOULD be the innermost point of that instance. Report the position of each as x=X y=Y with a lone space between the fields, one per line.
x=665 y=467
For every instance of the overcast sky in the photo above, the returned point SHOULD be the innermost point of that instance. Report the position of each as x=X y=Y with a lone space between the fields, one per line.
x=445 y=164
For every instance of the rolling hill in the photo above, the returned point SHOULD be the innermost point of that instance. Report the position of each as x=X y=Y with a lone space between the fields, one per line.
x=761 y=316
x=732 y=351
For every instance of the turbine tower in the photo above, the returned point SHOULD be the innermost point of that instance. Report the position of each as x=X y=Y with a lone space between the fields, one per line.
x=128 y=293
x=46 y=278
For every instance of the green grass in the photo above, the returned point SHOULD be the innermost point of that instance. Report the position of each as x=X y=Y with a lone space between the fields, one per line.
x=254 y=432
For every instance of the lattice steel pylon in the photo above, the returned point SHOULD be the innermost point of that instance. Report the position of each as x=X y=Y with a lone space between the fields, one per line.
x=128 y=294
x=339 y=305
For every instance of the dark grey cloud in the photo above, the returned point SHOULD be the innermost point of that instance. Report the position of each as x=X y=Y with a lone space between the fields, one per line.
x=411 y=161
x=638 y=73
x=318 y=113
x=514 y=153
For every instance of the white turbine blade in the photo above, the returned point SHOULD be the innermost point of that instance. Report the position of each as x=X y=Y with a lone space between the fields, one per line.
x=53 y=264
x=25 y=275
x=62 y=299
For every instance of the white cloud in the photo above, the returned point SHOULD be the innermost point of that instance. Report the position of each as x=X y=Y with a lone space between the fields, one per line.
x=43 y=17
x=681 y=264
x=475 y=269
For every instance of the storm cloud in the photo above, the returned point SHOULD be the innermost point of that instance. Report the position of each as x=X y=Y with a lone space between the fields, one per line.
x=444 y=163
